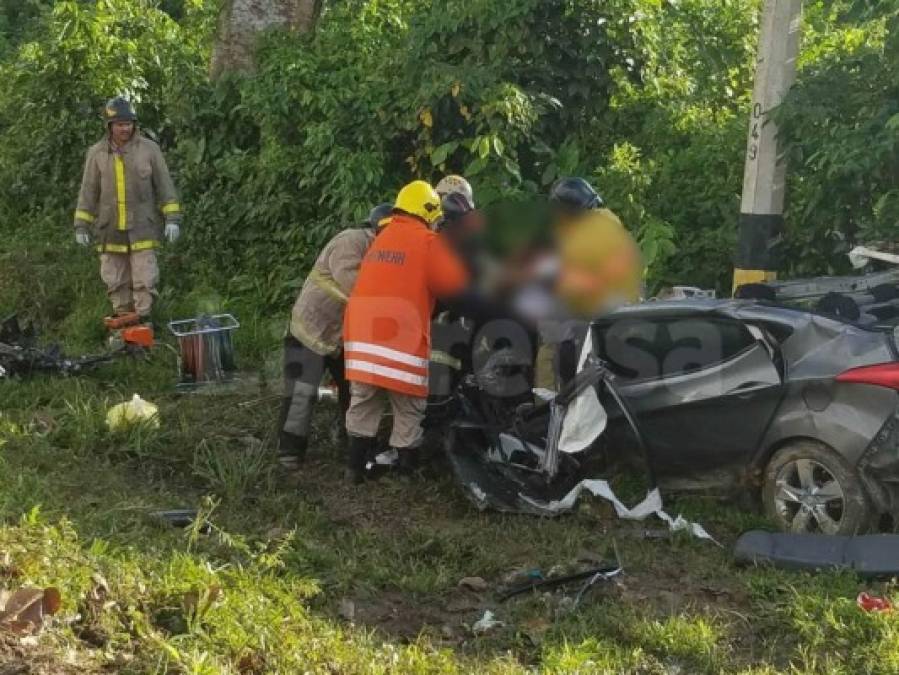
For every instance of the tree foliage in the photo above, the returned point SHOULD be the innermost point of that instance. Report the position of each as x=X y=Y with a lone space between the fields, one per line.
x=842 y=125
x=648 y=98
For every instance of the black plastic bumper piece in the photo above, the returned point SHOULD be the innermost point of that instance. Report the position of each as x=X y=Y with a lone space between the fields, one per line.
x=871 y=555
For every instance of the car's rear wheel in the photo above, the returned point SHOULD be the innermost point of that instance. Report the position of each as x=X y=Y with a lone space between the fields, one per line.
x=809 y=488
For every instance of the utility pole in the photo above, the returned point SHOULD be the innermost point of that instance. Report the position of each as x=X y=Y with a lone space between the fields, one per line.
x=764 y=177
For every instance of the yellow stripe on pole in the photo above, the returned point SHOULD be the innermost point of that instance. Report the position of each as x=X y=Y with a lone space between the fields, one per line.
x=743 y=277
x=120 y=191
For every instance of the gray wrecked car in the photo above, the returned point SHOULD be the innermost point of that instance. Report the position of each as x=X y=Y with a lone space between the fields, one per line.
x=794 y=406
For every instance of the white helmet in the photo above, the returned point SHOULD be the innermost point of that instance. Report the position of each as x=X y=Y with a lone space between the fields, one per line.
x=456 y=185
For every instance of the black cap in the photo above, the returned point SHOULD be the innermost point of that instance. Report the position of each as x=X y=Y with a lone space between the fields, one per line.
x=378 y=214
x=574 y=194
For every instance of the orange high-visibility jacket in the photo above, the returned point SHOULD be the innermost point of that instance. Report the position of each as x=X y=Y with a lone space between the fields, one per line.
x=387 y=326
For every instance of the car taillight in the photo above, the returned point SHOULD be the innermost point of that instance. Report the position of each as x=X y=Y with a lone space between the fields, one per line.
x=882 y=375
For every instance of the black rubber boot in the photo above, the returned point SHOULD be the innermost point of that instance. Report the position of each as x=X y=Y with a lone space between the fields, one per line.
x=407 y=462
x=358 y=449
x=292 y=449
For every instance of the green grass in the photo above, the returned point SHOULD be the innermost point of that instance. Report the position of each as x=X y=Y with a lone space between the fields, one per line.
x=261 y=591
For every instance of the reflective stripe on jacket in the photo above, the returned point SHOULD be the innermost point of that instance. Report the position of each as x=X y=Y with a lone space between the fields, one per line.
x=317 y=316
x=387 y=329
x=126 y=195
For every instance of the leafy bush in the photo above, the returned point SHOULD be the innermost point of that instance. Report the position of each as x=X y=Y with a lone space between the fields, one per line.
x=648 y=98
x=842 y=125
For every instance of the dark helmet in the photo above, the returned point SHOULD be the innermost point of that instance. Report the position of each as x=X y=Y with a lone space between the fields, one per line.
x=574 y=194
x=379 y=216
x=118 y=109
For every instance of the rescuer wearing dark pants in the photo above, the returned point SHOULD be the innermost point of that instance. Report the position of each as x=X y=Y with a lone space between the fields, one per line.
x=314 y=342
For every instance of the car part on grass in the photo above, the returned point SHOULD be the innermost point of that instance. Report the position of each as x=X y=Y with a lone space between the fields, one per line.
x=21 y=356
x=870 y=555
x=181 y=518
x=591 y=576
x=206 y=349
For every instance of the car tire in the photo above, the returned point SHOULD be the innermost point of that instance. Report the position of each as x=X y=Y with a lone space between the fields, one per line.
x=809 y=488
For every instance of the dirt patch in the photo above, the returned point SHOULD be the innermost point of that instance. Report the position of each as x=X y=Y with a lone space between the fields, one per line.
x=17 y=658
x=404 y=618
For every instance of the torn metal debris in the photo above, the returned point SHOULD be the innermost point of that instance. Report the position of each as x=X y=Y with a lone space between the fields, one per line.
x=21 y=356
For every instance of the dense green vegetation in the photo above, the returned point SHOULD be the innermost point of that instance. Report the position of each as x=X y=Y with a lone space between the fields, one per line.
x=649 y=98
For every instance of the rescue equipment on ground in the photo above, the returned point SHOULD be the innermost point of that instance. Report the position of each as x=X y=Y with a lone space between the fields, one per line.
x=206 y=349
x=127 y=329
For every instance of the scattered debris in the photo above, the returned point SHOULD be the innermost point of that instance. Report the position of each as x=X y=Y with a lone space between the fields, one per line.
x=181 y=518
x=591 y=576
x=135 y=411
x=476 y=584
x=21 y=356
x=872 y=603
x=872 y=555
x=486 y=623
x=651 y=505
x=24 y=611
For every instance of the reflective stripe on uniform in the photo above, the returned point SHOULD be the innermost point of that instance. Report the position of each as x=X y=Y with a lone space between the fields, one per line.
x=84 y=215
x=120 y=191
x=389 y=373
x=386 y=353
x=144 y=245
x=445 y=359
x=171 y=207
x=328 y=285
x=298 y=330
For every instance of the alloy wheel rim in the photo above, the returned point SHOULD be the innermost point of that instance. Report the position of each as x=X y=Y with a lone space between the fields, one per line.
x=808 y=498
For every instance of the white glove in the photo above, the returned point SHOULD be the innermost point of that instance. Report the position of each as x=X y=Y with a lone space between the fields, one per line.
x=82 y=238
x=172 y=232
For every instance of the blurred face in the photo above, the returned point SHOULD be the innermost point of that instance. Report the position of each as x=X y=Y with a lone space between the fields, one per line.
x=121 y=132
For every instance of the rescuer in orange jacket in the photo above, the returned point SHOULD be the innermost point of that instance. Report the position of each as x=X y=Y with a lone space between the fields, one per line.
x=387 y=326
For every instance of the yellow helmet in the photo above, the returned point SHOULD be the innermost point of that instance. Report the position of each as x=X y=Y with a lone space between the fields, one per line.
x=419 y=199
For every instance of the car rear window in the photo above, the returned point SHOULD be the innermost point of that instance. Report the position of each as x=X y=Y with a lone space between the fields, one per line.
x=640 y=349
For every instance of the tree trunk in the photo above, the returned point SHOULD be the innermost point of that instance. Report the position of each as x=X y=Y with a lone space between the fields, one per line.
x=242 y=22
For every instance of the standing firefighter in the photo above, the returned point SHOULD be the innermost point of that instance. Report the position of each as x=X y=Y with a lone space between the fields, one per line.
x=387 y=329
x=127 y=196
x=315 y=339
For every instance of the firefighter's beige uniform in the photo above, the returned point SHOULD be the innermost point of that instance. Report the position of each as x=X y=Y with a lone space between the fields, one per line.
x=317 y=316
x=127 y=196
x=315 y=340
